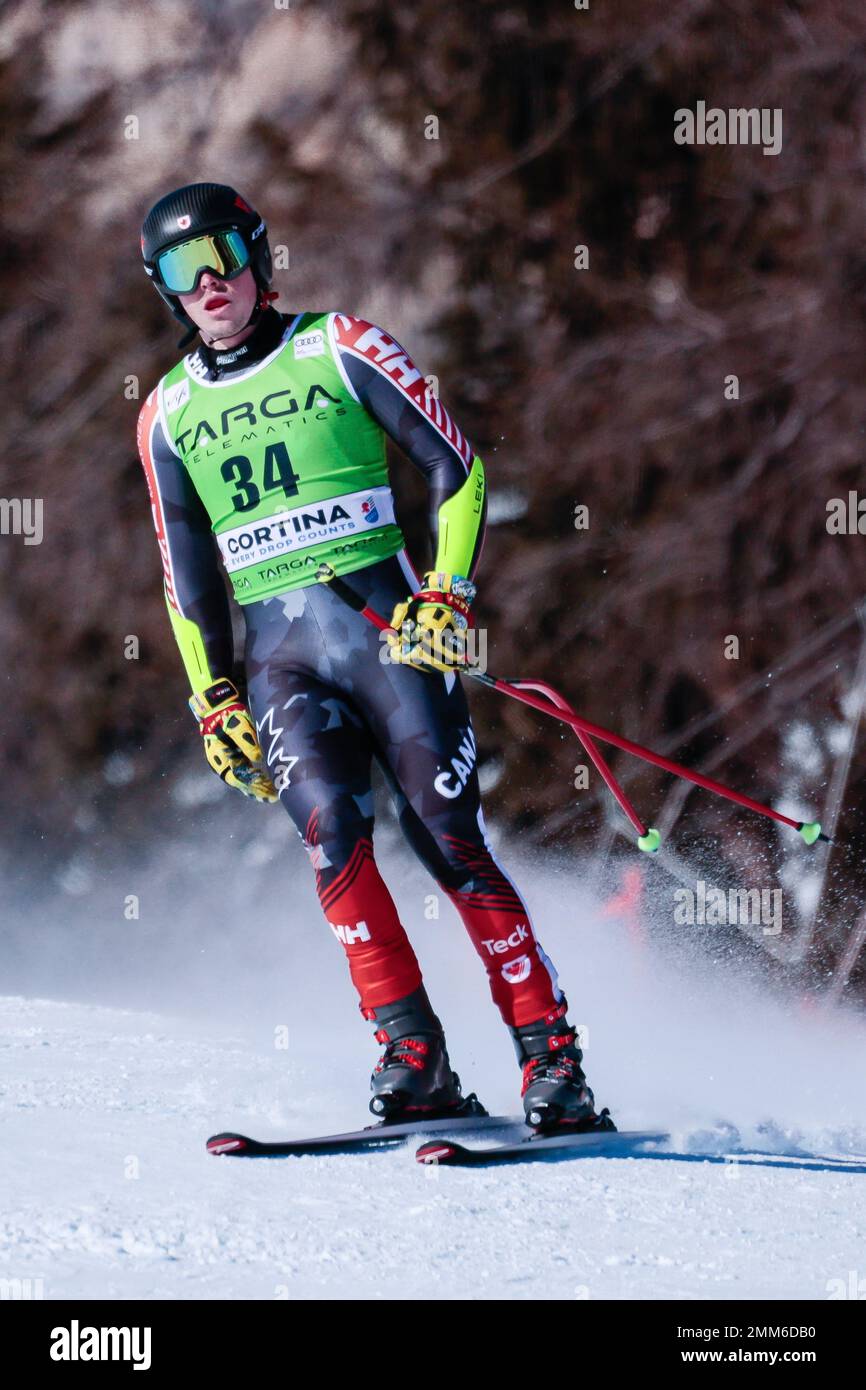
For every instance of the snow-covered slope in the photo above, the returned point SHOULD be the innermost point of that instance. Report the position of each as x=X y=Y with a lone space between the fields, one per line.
x=109 y=1191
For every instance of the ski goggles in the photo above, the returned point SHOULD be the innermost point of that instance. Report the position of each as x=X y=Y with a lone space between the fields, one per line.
x=180 y=267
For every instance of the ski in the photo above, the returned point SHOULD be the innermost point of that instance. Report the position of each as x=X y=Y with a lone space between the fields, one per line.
x=598 y=1144
x=374 y=1136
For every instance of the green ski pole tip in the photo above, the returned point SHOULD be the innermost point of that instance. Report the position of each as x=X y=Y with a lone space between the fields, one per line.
x=650 y=842
x=811 y=831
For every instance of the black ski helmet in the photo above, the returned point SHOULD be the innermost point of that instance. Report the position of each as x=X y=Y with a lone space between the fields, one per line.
x=194 y=210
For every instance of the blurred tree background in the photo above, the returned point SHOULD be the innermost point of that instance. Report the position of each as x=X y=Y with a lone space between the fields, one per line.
x=601 y=386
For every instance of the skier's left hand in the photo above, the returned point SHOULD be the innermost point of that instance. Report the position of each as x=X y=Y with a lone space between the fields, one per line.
x=431 y=625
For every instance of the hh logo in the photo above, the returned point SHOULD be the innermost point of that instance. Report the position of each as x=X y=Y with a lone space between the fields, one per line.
x=365 y=340
x=514 y=971
x=520 y=933
x=349 y=935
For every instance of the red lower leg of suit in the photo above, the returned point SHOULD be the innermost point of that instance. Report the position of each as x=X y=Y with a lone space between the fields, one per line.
x=383 y=965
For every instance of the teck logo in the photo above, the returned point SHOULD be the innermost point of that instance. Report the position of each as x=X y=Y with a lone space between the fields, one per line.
x=520 y=933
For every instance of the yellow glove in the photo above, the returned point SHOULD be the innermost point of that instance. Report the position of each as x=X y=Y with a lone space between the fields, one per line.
x=230 y=743
x=431 y=626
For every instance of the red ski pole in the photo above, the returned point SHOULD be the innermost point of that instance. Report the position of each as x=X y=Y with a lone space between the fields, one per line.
x=594 y=753
x=556 y=705
x=326 y=575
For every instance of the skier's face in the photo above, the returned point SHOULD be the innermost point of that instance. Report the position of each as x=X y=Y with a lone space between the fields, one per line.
x=221 y=308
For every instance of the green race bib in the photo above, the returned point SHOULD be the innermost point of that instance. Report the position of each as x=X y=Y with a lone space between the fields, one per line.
x=290 y=467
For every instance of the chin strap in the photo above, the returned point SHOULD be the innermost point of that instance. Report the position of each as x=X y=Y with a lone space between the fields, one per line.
x=259 y=307
x=264 y=300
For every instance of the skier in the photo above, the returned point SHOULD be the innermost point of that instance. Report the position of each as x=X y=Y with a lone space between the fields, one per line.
x=270 y=438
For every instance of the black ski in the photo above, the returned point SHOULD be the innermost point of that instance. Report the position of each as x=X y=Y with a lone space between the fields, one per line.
x=374 y=1136
x=597 y=1143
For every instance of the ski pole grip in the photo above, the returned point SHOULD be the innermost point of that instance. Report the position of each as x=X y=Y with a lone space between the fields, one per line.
x=326 y=574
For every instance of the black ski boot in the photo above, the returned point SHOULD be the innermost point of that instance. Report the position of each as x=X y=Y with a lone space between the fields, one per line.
x=555 y=1093
x=413 y=1077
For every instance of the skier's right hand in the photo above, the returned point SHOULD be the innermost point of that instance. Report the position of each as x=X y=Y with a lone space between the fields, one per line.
x=230 y=743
